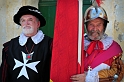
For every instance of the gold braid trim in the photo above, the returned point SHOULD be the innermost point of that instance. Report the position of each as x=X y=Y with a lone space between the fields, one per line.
x=120 y=67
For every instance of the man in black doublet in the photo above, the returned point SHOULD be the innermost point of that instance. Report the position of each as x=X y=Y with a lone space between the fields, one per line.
x=27 y=58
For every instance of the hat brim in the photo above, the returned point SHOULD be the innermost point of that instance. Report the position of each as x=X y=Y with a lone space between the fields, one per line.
x=17 y=17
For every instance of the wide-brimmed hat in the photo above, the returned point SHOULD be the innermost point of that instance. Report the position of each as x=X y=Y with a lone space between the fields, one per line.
x=29 y=10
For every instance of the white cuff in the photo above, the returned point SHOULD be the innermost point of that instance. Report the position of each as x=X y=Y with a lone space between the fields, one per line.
x=92 y=76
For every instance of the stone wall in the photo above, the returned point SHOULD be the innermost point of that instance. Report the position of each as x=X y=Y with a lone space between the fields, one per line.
x=115 y=12
x=8 y=28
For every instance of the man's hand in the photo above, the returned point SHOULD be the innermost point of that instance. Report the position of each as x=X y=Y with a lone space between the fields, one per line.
x=78 y=78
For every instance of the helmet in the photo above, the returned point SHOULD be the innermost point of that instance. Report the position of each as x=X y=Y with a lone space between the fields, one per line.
x=94 y=12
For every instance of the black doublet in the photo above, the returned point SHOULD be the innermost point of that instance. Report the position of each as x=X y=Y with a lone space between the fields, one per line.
x=12 y=50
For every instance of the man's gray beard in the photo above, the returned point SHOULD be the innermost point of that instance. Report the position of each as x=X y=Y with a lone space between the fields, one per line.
x=96 y=38
x=27 y=31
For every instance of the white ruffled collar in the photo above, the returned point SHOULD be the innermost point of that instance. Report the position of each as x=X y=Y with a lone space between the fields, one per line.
x=106 y=40
x=36 y=38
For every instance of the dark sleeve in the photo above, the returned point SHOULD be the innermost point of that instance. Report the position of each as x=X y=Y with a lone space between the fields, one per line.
x=51 y=44
x=49 y=58
x=47 y=62
x=4 y=66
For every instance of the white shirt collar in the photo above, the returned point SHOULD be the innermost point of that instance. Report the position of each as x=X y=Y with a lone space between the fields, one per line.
x=106 y=40
x=36 y=38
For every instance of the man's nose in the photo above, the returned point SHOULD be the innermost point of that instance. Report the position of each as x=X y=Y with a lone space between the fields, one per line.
x=26 y=23
x=95 y=28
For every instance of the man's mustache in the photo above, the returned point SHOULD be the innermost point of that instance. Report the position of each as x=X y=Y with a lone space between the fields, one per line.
x=91 y=32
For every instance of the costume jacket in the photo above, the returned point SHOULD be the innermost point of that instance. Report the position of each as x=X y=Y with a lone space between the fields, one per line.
x=26 y=59
x=104 y=59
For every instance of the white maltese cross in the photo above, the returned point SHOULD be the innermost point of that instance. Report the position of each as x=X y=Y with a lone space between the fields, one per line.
x=24 y=65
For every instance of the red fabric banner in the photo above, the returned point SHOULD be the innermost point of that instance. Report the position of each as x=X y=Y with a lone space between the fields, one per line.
x=65 y=41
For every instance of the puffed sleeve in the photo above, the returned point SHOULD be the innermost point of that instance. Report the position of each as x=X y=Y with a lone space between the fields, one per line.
x=117 y=67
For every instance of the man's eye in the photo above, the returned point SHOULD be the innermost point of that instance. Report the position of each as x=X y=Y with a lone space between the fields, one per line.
x=22 y=20
x=30 y=20
x=99 y=25
x=90 y=25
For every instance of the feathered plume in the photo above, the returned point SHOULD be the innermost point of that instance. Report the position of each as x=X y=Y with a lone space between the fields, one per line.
x=96 y=2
